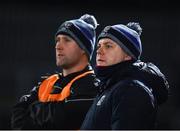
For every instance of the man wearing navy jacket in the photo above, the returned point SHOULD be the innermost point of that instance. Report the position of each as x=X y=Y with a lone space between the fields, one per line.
x=130 y=90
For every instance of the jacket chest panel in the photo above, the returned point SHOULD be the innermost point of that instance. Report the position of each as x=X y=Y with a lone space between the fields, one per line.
x=102 y=108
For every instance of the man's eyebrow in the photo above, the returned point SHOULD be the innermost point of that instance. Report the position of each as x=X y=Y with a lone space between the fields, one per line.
x=108 y=42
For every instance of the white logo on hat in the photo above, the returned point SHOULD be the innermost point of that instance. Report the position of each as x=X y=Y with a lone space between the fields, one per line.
x=107 y=28
x=68 y=24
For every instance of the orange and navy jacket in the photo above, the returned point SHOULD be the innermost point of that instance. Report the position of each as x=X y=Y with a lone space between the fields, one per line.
x=61 y=102
x=45 y=90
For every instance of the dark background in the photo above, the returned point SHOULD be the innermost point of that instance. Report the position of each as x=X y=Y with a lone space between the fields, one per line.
x=27 y=31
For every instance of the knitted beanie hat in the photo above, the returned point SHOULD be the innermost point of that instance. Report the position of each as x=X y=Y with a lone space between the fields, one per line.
x=126 y=36
x=82 y=30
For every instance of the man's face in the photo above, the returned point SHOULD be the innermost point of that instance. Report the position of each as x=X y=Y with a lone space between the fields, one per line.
x=109 y=53
x=68 y=53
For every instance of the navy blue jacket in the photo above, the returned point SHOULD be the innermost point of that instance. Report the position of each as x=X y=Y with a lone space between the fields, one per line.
x=130 y=93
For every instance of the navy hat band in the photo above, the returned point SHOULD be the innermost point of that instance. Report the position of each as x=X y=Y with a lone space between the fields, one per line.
x=121 y=38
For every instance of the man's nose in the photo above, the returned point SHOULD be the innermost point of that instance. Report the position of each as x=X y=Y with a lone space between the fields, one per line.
x=99 y=51
x=59 y=46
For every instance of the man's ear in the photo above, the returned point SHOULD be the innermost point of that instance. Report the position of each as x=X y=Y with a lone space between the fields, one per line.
x=127 y=57
x=83 y=52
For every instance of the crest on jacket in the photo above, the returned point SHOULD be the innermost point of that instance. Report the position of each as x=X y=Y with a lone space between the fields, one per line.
x=101 y=100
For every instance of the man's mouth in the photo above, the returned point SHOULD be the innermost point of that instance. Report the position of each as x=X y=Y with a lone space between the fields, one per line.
x=59 y=55
x=100 y=60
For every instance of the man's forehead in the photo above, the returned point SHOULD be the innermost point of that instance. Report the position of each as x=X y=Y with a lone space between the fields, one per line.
x=105 y=41
x=63 y=36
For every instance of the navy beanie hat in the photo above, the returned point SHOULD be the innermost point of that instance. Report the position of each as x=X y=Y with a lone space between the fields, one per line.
x=82 y=30
x=126 y=36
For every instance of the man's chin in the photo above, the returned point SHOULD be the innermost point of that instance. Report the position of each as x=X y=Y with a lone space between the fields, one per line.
x=62 y=65
x=58 y=64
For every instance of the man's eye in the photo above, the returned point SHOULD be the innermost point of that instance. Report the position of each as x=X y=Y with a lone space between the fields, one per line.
x=67 y=39
x=108 y=46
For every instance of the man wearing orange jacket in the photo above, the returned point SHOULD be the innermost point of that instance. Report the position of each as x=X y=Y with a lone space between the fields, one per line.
x=62 y=100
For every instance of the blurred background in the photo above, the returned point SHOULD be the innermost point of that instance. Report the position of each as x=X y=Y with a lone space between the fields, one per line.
x=27 y=30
